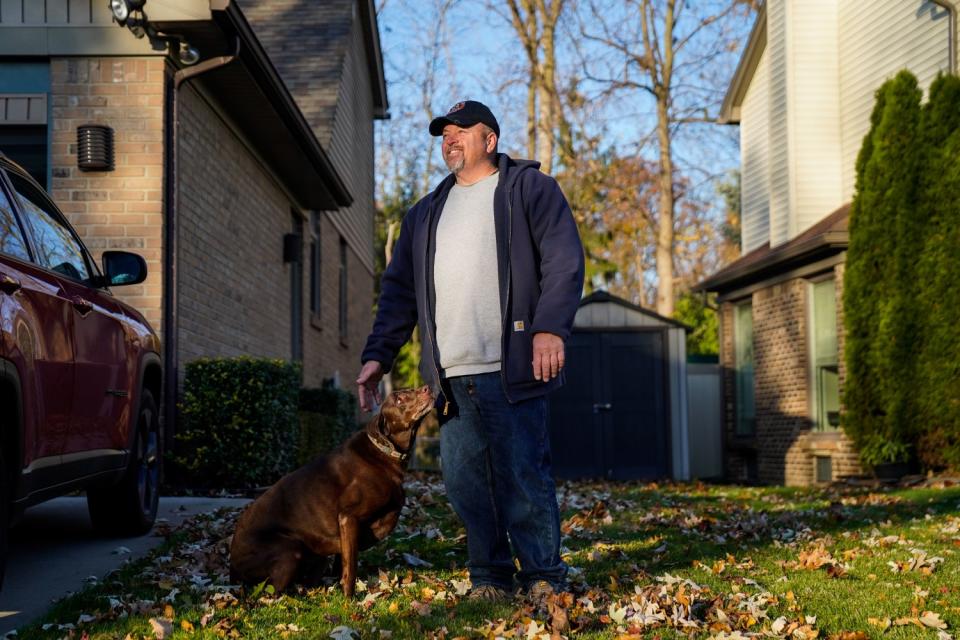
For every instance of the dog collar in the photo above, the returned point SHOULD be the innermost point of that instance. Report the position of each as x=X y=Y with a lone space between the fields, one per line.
x=387 y=449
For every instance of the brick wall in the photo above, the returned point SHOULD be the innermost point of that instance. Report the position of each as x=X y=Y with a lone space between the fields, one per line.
x=234 y=288
x=120 y=209
x=235 y=294
x=785 y=445
x=781 y=370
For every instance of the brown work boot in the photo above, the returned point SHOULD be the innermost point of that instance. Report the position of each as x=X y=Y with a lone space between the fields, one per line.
x=488 y=593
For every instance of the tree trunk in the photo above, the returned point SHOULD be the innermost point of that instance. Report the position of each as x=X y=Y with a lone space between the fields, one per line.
x=664 y=253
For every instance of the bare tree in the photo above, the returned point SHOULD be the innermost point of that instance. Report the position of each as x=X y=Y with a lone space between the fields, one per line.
x=535 y=23
x=662 y=49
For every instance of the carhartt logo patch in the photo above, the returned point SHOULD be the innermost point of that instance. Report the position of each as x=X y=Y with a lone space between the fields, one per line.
x=456 y=107
x=518 y=325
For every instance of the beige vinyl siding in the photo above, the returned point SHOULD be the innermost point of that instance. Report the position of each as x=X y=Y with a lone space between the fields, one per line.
x=814 y=112
x=876 y=41
x=777 y=48
x=351 y=150
x=755 y=156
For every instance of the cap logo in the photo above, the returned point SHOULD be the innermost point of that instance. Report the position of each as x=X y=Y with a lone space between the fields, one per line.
x=457 y=107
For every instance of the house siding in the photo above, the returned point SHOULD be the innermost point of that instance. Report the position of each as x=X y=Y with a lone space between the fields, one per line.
x=814 y=113
x=875 y=43
x=53 y=12
x=234 y=288
x=755 y=159
x=351 y=149
x=120 y=209
x=778 y=137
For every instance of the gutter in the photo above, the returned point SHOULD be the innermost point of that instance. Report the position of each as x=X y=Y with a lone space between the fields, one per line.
x=170 y=236
x=951 y=9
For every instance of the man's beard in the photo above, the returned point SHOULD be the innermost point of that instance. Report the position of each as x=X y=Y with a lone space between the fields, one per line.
x=455 y=166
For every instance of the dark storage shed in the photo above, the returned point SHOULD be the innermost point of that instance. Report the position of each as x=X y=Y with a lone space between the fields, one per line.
x=622 y=413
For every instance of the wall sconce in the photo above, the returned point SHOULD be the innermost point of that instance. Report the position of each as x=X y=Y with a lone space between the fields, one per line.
x=95 y=148
x=292 y=248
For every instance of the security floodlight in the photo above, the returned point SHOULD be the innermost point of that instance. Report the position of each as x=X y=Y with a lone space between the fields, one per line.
x=122 y=9
x=188 y=55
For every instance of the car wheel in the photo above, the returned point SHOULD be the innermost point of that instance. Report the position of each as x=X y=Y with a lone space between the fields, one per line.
x=130 y=506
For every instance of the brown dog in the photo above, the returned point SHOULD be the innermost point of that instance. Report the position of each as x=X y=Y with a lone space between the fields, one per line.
x=341 y=503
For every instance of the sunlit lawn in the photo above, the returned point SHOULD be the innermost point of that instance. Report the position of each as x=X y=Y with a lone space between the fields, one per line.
x=648 y=560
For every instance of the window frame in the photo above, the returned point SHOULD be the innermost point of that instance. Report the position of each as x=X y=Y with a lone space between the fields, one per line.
x=744 y=426
x=343 y=319
x=315 y=271
x=817 y=410
x=10 y=169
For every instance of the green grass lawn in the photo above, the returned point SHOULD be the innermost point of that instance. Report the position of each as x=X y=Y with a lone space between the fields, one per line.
x=648 y=560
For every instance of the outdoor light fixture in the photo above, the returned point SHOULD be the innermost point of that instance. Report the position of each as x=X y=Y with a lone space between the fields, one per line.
x=95 y=148
x=188 y=55
x=122 y=9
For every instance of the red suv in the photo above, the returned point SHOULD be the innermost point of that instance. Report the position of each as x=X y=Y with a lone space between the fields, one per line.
x=79 y=370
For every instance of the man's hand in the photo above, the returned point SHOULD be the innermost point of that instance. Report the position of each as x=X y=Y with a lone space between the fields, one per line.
x=547 y=356
x=368 y=384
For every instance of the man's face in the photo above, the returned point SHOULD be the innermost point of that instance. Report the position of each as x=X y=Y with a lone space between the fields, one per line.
x=466 y=148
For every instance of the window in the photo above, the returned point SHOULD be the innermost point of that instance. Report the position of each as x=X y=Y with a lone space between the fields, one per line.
x=343 y=291
x=823 y=469
x=315 y=264
x=743 y=365
x=57 y=248
x=27 y=146
x=296 y=291
x=11 y=235
x=825 y=373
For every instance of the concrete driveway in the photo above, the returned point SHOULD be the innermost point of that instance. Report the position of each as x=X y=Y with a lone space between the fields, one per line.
x=54 y=551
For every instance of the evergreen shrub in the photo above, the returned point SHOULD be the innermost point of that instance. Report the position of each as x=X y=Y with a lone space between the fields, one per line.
x=238 y=423
x=327 y=418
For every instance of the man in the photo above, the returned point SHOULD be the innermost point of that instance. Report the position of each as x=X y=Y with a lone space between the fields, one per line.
x=491 y=266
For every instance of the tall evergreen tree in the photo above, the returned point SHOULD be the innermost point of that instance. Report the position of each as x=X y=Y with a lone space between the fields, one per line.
x=937 y=389
x=887 y=172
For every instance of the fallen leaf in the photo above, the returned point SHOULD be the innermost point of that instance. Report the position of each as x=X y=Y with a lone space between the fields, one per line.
x=414 y=561
x=161 y=627
x=344 y=633
x=932 y=620
x=421 y=608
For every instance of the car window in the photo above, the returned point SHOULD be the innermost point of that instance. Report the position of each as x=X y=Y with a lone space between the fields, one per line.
x=57 y=248
x=11 y=236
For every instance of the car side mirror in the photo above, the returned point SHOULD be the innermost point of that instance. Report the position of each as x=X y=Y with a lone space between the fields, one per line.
x=123 y=268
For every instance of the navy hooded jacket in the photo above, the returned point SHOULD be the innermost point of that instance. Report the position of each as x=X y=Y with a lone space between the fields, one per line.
x=540 y=262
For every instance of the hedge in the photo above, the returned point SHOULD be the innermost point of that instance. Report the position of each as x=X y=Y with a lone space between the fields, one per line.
x=327 y=418
x=238 y=422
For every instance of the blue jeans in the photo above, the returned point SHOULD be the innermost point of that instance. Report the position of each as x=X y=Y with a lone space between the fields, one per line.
x=496 y=467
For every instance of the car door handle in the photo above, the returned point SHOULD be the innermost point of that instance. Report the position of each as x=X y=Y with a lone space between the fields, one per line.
x=8 y=284
x=602 y=406
x=81 y=304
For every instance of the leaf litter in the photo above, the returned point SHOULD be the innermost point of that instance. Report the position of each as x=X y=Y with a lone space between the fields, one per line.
x=614 y=536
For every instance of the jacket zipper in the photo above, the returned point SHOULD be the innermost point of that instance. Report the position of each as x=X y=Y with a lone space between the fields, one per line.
x=506 y=301
x=429 y=315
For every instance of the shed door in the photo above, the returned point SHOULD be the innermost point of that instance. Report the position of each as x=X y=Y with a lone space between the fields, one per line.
x=609 y=419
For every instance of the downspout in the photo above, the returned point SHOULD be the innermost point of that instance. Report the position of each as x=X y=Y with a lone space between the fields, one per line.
x=170 y=244
x=952 y=51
